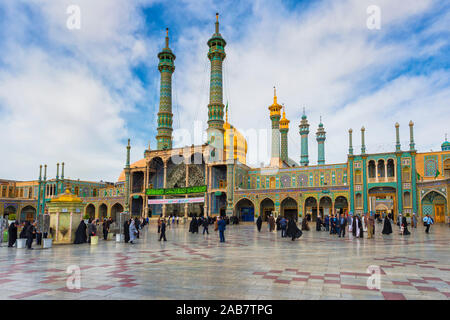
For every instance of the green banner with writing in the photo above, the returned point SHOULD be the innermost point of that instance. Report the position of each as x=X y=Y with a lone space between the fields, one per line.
x=174 y=191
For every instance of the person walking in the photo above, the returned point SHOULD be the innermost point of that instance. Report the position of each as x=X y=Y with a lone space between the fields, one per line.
x=126 y=230
x=370 y=226
x=105 y=229
x=428 y=221
x=133 y=231
x=326 y=223
x=271 y=223
x=12 y=234
x=92 y=229
x=293 y=231
x=259 y=223
x=205 y=224
x=30 y=231
x=342 y=225
x=319 y=223
x=163 y=230
x=283 y=226
x=222 y=225
x=414 y=221
x=159 y=224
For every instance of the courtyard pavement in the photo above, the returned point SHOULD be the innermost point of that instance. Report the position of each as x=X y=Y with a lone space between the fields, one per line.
x=250 y=265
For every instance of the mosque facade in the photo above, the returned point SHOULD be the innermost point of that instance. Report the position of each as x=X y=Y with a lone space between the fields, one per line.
x=214 y=178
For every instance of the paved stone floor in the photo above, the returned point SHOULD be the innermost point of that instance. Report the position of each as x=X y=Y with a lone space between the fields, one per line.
x=250 y=265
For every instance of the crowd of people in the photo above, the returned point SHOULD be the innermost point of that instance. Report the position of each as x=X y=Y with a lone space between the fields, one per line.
x=287 y=226
x=335 y=224
x=338 y=224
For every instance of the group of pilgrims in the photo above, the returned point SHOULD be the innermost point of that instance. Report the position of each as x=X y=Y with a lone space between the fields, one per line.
x=336 y=224
x=287 y=226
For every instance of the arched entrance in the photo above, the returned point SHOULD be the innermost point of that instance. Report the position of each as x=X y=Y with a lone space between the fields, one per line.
x=325 y=205
x=115 y=211
x=381 y=198
x=245 y=210
x=9 y=210
x=341 y=205
x=28 y=213
x=289 y=208
x=90 y=211
x=434 y=204
x=136 y=206
x=311 y=208
x=102 y=211
x=265 y=208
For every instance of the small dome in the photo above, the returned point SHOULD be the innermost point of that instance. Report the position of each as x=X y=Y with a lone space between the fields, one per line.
x=445 y=146
x=67 y=196
x=284 y=123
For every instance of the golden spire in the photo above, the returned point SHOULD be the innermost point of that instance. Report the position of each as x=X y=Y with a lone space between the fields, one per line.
x=274 y=95
x=275 y=108
x=284 y=123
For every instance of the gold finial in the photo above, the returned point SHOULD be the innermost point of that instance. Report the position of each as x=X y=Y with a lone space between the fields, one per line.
x=274 y=95
x=217 y=17
x=363 y=129
x=397 y=125
x=167 y=37
x=350 y=130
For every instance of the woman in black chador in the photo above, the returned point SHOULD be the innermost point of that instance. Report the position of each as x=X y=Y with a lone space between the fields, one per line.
x=80 y=234
x=318 y=224
x=259 y=223
x=405 y=227
x=126 y=230
x=12 y=233
x=193 y=227
x=387 y=228
x=293 y=231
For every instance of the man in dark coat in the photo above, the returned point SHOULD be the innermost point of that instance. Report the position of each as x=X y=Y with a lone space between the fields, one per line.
x=222 y=226
x=12 y=233
x=30 y=232
x=105 y=229
x=205 y=224
x=293 y=231
x=80 y=234
x=259 y=223
x=126 y=231
x=163 y=230
x=342 y=225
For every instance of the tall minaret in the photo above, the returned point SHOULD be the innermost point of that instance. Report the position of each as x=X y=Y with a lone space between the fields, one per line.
x=127 y=179
x=166 y=68
x=320 y=137
x=304 y=131
x=275 y=116
x=284 y=129
x=216 y=55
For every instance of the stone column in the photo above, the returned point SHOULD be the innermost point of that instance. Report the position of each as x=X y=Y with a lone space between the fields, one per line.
x=186 y=206
x=164 y=186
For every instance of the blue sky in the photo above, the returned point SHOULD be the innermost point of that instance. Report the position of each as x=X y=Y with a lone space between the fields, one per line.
x=77 y=95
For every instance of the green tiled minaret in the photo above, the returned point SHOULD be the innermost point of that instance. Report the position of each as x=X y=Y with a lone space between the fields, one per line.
x=320 y=137
x=216 y=55
x=166 y=67
x=284 y=129
x=304 y=131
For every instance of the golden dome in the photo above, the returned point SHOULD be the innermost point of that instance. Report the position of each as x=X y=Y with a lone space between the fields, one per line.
x=275 y=108
x=284 y=123
x=66 y=197
x=239 y=142
x=138 y=164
